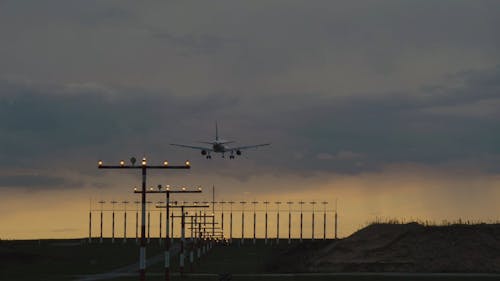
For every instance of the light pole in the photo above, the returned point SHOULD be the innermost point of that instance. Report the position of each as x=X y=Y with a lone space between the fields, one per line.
x=254 y=218
x=159 y=238
x=278 y=203
x=243 y=222
x=204 y=247
x=222 y=216
x=324 y=219
x=198 y=235
x=289 y=221
x=194 y=226
x=193 y=221
x=231 y=222
x=301 y=219
x=213 y=209
x=143 y=167
x=137 y=221
x=172 y=227
x=265 y=222
x=335 y=218
x=90 y=222
x=200 y=238
x=149 y=220
x=102 y=203
x=167 y=190
x=113 y=222
x=183 y=214
x=125 y=221
x=312 y=232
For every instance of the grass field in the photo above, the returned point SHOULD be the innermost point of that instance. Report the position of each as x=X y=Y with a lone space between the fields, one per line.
x=62 y=259
x=66 y=259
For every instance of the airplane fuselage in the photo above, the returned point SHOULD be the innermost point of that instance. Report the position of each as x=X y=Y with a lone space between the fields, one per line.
x=219 y=147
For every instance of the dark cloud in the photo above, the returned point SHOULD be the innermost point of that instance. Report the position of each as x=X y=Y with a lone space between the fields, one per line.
x=253 y=47
x=335 y=86
x=192 y=44
x=309 y=134
x=400 y=127
x=36 y=182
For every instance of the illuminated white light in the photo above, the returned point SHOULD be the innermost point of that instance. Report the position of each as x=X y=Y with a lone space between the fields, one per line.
x=183 y=188
x=188 y=163
x=165 y=163
x=99 y=163
x=122 y=163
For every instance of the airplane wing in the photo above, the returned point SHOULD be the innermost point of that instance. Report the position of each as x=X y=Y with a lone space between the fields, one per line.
x=248 y=146
x=193 y=147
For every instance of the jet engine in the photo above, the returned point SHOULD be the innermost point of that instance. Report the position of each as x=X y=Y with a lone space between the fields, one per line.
x=203 y=152
x=238 y=152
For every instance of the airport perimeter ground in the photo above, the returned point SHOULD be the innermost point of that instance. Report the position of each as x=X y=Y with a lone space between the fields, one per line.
x=74 y=260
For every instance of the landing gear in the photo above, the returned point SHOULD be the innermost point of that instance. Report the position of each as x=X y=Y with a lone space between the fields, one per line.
x=231 y=157
x=209 y=157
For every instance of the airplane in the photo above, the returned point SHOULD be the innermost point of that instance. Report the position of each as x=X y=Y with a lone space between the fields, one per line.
x=219 y=146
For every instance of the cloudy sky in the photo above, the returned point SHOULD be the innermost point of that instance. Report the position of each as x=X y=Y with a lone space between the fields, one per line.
x=392 y=107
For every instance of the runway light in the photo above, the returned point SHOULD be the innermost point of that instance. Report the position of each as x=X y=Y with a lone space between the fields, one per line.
x=188 y=163
x=122 y=163
x=99 y=163
x=165 y=163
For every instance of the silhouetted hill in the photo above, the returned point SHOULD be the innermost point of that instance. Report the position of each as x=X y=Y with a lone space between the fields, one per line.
x=405 y=248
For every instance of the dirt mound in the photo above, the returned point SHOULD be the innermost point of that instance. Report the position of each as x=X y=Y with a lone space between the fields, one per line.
x=411 y=248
